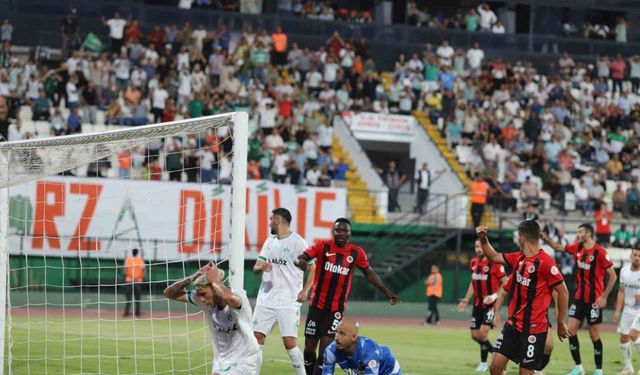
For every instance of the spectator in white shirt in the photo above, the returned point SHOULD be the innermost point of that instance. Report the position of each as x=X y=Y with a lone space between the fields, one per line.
x=487 y=17
x=279 y=166
x=116 y=31
x=498 y=28
x=73 y=97
x=415 y=64
x=492 y=150
x=158 y=102
x=325 y=137
x=474 y=57
x=122 y=66
x=198 y=35
x=313 y=175
x=274 y=140
x=445 y=53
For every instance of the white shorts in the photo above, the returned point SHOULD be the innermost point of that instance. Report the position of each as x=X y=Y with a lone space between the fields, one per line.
x=635 y=324
x=247 y=367
x=266 y=318
x=625 y=323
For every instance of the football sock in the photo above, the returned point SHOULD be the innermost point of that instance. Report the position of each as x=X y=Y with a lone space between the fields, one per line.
x=574 y=346
x=625 y=349
x=597 y=353
x=297 y=360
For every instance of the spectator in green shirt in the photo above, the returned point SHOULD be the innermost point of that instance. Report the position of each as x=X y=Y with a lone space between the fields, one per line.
x=622 y=237
x=195 y=106
x=471 y=20
x=259 y=60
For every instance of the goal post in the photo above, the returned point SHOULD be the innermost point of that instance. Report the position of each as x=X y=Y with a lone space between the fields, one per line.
x=209 y=219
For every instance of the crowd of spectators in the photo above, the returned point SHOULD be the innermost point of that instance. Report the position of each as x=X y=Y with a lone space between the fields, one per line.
x=481 y=18
x=176 y=72
x=557 y=139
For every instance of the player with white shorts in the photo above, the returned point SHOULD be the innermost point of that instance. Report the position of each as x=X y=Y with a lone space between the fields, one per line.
x=627 y=313
x=281 y=291
x=228 y=313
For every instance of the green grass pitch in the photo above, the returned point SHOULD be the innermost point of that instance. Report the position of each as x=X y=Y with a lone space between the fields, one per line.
x=176 y=346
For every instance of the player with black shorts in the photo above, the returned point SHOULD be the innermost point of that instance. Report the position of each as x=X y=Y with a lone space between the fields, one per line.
x=592 y=264
x=336 y=261
x=486 y=279
x=535 y=276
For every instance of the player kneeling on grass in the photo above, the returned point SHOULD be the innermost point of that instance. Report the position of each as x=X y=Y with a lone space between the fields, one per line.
x=628 y=302
x=228 y=313
x=486 y=279
x=535 y=276
x=357 y=354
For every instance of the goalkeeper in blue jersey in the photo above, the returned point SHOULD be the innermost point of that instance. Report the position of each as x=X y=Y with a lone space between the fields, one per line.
x=358 y=355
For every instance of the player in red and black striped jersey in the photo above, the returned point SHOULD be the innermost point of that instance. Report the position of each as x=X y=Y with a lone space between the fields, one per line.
x=592 y=264
x=536 y=276
x=336 y=262
x=486 y=279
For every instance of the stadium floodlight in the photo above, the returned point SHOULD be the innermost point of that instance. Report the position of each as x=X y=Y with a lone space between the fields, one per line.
x=65 y=230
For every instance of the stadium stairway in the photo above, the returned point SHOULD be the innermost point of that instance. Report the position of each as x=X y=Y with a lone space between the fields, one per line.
x=398 y=269
x=361 y=203
x=433 y=132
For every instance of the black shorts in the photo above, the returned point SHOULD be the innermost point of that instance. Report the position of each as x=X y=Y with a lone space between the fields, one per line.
x=581 y=311
x=482 y=316
x=321 y=323
x=525 y=350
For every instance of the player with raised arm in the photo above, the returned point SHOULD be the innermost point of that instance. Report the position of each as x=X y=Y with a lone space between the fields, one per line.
x=228 y=313
x=499 y=298
x=486 y=279
x=336 y=262
x=536 y=275
x=592 y=264
x=358 y=354
x=628 y=308
x=281 y=291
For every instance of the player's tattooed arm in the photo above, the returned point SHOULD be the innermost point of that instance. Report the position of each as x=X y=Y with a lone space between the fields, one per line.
x=488 y=250
x=551 y=243
x=177 y=291
x=374 y=279
x=215 y=277
x=303 y=261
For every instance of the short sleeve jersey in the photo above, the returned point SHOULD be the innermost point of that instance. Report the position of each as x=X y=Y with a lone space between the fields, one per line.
x=334 y=272
x=280 y=286
x=231 y=330
x=590 y=268
x=630 y=280
x=530 y=286
x=485 y=279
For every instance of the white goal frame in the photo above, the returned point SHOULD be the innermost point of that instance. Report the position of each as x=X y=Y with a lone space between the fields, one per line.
x=240 y=124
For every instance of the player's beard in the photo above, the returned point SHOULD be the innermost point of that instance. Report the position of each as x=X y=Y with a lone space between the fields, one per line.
x=273 y=230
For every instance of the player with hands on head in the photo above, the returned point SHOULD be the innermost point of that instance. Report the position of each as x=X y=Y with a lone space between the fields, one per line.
x=535 y=277
x=228 y=313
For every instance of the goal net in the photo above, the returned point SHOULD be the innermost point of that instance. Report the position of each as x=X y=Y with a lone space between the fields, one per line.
x=72 y=208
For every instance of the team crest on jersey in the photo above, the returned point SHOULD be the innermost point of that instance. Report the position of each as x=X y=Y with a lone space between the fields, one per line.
x=486 y=268
x=554 y=270
x=591 y=258
x=372 y=364
x=531 y=269
x=350 y=259
x=285 y=250
x=532 y=339
x=338 y=315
